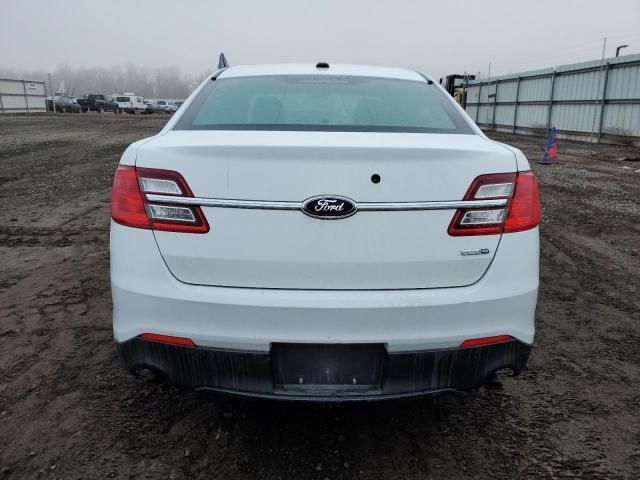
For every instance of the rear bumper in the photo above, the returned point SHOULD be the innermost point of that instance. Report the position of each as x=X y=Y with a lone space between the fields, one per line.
x=253 y=373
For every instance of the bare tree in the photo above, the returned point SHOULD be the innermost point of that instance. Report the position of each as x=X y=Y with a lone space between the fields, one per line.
x=166 y=82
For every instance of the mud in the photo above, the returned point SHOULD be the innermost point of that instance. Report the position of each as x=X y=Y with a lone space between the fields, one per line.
x=67 y=409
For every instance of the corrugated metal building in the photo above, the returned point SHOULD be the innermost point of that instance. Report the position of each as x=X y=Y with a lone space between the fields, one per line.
x=22 y=96
x=597 y=101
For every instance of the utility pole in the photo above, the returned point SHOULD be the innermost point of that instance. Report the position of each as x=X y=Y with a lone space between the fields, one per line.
x=486 y=120
x=53 y=100
x=595 y=110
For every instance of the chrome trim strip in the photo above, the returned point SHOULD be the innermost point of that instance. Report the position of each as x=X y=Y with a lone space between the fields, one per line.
x=448 y=205
x=225 y=203
x=365 y=206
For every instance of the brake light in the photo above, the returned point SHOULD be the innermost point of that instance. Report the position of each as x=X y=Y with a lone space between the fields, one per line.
x=521 y=212
x=524 y=208
x=129 y=205
x=477 y=342
x=186 y=342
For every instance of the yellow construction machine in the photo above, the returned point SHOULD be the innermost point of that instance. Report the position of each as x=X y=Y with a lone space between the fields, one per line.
x=456 y=85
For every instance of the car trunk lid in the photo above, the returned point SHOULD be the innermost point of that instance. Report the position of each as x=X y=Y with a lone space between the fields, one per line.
x=269 y=247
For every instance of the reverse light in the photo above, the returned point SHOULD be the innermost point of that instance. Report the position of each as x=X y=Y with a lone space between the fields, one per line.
x=186 y=342
x=170 y=212
x=477 y=342
x=129 y=205
x=159 y=185
x=483 y=217
x=494 y=190
x=522 y=211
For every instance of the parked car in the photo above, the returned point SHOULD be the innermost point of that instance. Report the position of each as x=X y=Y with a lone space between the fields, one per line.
x=159 y=105
x=130 y=103
x=83 y=108
x=170 y=108
x=63 y=104
x=324 y=233
x=149 y=108
x=99 y=103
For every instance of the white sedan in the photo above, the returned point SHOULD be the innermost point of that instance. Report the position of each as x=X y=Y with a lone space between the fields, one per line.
x=323 y=232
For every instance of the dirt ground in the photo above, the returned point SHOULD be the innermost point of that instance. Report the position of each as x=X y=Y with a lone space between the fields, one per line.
x=68 y=411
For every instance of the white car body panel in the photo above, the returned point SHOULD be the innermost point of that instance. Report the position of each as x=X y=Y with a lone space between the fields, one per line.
x=147 y=298
x=246 y=248
x=306 y=68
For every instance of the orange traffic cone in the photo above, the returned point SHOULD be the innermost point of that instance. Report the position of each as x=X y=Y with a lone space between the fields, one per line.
x=551 y=149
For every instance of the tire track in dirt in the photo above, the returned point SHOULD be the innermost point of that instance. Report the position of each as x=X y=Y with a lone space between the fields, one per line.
x=18 y=236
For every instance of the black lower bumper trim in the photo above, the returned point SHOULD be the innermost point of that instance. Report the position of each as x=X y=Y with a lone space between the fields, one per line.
x=252 y=373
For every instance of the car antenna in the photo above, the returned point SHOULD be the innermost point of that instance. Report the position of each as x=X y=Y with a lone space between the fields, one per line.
x=222 y=61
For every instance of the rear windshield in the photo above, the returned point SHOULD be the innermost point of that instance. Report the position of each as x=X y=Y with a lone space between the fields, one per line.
x=162 y=102
x=123 y=99
x=322 y=103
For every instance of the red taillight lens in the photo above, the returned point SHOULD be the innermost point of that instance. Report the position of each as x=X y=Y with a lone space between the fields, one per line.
x=130 y=207
x=524 y=208
x=476 y=342
x=127 y=205
x=186 y=342
x=522 y=211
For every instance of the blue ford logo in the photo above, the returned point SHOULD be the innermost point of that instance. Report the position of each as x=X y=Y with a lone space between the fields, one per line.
x=329 y=207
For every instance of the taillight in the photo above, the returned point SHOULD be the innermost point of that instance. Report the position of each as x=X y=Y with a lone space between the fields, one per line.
x=521 y=212
x=127 y=205
x=524 y=208
x=130 y=207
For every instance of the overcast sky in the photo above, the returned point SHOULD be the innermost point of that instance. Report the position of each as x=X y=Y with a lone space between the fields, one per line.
x=436 y=37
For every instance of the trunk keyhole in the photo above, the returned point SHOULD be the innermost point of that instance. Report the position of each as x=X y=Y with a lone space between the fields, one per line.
x=375 y=178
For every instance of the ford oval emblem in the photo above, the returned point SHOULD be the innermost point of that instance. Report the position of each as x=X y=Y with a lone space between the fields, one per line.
x=329 y=207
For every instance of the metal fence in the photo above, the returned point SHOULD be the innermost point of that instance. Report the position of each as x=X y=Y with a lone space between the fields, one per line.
x=22 y=96
x=593 y=101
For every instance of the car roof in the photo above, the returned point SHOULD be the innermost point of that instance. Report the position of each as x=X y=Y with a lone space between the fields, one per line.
x=310 y=69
